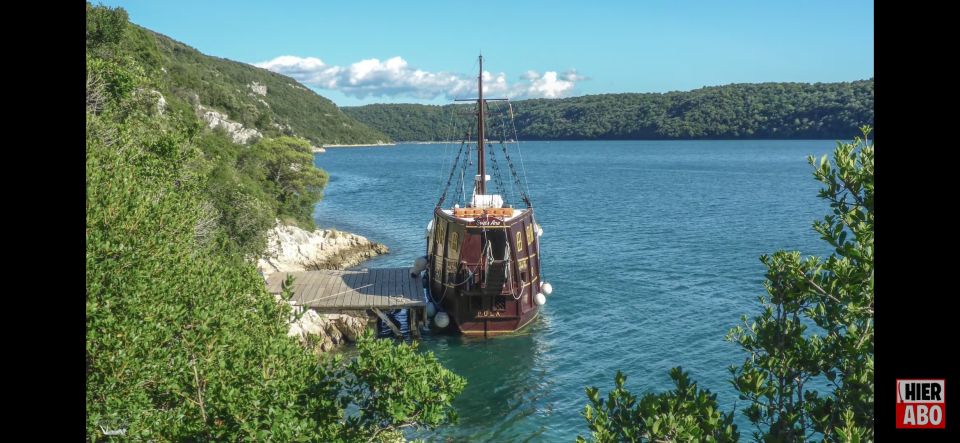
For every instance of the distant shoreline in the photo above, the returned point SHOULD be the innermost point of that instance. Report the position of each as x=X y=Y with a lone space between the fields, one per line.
x=447 y=142
x=359 y=145
x=432 y=142
x=617 y=140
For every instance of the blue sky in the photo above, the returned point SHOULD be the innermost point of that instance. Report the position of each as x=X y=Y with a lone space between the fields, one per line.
x=361 y=52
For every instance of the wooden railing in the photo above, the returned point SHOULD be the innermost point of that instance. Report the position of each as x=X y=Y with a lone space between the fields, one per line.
x=476 y=212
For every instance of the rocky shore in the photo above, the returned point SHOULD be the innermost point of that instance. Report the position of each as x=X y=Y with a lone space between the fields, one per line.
x=291 y=249
x=325 y=332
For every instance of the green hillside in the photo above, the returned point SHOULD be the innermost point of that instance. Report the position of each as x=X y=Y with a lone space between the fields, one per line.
x=226 y=86
x=183 y=341
x=744 y=111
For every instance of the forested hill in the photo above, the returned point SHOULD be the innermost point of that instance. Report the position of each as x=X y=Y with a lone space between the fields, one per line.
x=745 y=111
x=271 y=103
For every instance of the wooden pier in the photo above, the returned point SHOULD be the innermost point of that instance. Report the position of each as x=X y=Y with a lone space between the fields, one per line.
x=369 y=290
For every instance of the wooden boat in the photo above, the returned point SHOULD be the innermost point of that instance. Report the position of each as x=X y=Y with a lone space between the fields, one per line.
x=482 y=266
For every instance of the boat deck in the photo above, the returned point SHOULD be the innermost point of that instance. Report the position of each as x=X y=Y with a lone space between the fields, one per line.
x=329 y=290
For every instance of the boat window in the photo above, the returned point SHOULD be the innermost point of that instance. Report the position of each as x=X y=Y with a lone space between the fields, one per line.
x=500 y=303
x=529 y=234
x=519 y=241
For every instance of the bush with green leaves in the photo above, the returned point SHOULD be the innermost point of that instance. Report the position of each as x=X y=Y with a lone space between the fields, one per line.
x=817 y=319
x=683 y=414
x=284 y=165
x=406 y=389
x=105 y=27
x=182 y=342
x=238 y=201
x=815 y=328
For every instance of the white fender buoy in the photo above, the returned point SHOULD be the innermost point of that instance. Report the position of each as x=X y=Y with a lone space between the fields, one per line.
x=441 y=320
x=547 y=288
x=426 y=233
x=539 y=229
x=540 y=299
x=419 y=264
x=431 y=310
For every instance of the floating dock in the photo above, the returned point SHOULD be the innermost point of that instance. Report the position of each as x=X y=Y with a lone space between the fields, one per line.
x=370 y=290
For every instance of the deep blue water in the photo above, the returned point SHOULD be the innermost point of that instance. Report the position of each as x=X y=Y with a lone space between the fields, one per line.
x=652 y=248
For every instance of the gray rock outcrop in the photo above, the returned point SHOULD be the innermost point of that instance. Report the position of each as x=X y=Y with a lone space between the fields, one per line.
x=291 y=249
x=257 y=88
x=237 y=132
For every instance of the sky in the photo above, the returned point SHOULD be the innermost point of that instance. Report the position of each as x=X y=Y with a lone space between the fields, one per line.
x=361 y=52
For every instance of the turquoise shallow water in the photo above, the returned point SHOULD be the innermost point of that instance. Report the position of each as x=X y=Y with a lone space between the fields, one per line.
x=652 y=248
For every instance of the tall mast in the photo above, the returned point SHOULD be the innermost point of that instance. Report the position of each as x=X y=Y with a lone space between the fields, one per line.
x=481 y=182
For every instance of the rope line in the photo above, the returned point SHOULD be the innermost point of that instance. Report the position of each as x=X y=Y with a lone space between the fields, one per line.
x=450 y=178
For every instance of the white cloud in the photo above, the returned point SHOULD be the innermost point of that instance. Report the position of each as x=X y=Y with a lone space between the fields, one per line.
x=547 y=86
x=394 y=77
x=572 y=76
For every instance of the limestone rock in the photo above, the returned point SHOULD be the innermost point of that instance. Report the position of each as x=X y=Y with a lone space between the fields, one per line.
x=351 y=327
x=237 y=132
x=327 y=345
x=257 y=88
x=291 y=249
x=161 y=104
x=295 y=331
x=334 y=333
x=326 y=331
x=312 y=323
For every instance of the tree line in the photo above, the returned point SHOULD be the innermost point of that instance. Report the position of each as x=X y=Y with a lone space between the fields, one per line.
x=737 y=111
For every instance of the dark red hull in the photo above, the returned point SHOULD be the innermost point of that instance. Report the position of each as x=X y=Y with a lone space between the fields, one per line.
x=485 y=271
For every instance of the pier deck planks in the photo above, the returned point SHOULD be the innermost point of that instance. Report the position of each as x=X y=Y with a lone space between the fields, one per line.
x=383 y=288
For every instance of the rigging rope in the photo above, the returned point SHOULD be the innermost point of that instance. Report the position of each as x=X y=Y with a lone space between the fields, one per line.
x=449 y=142
x=460 y=196
x=450 y=178
x=496 y=172
x=503 y=128
x=513 y=170
x=447 y=157
x=519 y=187
x=517 y=139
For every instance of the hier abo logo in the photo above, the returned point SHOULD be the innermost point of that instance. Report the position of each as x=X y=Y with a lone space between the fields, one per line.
x=920 y=404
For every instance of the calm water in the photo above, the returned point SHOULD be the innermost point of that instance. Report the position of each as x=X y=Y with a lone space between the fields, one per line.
x=652 y=249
